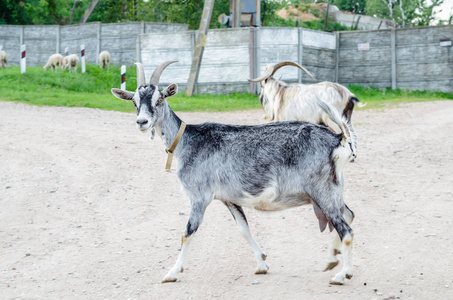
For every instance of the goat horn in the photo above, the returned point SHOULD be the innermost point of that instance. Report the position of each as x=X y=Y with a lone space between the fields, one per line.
x=267 y=73
x=290 y=63
x=158 y=71
x=141 y=81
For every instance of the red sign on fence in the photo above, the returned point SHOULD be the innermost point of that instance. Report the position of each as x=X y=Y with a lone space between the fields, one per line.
x=363 y=47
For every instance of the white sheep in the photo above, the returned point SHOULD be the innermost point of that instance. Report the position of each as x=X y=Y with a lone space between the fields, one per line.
x=104 y=59
x=55 y=60
x=70 y=62
x=3 y=59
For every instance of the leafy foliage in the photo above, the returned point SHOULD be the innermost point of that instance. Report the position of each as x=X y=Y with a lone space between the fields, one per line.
x=355 y=6
x=270 y=18
x=404 y=12
x=39 y=12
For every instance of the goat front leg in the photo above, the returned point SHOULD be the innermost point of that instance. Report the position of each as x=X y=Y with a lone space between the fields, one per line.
x=197 y=211
x=241 y=221
x=334 y=247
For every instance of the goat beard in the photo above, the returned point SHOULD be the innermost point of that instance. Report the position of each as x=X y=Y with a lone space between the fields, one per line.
x=153 y=133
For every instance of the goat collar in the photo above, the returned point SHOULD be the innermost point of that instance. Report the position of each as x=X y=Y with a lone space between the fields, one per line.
x=173 y=146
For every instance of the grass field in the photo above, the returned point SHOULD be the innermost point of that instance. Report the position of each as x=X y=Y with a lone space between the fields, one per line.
x=92 y=89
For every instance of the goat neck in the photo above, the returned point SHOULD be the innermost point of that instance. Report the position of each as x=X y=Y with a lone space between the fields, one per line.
x=168 y=128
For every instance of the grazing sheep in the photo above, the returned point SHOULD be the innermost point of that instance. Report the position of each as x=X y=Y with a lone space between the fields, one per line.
x=3 y=59
x=55 y=60
x=104 y=59
x=70 y=62
x=268 y=167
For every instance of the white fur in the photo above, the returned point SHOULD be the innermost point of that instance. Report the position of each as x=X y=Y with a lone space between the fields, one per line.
x=71 y=62
x=54 y=61
x=3 y=59
x=104 y=60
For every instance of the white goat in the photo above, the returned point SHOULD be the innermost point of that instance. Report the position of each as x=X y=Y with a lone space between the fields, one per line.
x=104 y=59
x=3 y=59
x=70 y=62
x=297 y=102
x=54 y=61
x=268 y=167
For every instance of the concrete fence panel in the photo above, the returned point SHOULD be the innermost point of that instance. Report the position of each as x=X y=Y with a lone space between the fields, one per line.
x=120 y=39
x=157 y=48
x=413 y=58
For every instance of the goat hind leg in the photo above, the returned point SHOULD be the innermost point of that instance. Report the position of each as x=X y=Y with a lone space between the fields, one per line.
x=335 y=245
x=346 y=236
x=196 y=217
x=241 y=221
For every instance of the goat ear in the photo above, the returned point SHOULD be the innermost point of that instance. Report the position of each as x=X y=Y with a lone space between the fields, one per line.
x=123 y=95
x=170 y=90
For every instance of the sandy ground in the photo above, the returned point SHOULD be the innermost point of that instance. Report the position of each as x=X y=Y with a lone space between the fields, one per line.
x=88 y=212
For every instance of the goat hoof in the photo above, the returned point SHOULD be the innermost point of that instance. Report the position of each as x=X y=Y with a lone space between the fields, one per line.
x=335 y=282
x=337 y=279
x=260 y=272
x=262 y=268
x=331 y=265
x=165 y=280
x=348 y=276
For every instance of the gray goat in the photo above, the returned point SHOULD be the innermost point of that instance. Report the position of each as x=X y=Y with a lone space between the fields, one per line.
x=268 y=167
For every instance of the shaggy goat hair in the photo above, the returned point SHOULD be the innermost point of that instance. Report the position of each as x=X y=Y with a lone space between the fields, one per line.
x=300 y=102
x=268 y=167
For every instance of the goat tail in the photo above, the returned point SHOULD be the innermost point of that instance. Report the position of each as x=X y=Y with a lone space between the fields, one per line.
x=357 y=102
x=333 y=114
x=348 y=135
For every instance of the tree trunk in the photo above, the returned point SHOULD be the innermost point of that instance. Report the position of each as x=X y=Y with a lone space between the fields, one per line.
x=73 y=11
x=88 y=11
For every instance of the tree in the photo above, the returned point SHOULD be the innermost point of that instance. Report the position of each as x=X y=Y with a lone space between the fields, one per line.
x=13 y=12
x=42 y=12
x=355 y=6
x=404 y=12
x=88 y=11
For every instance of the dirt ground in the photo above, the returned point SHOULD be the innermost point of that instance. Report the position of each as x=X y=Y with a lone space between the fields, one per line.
x=88 y=212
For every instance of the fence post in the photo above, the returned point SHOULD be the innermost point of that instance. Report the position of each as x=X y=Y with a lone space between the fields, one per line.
x=138 y=41
x=258 y=32
x=98 y=46
x=58 y=39
x=82 y=54
x=337 y=57
x=21 y=37
x=252 y=59
x=300 y=49
x=23 y=59
x=123 y=77
x=138 y=48
x=393 y=49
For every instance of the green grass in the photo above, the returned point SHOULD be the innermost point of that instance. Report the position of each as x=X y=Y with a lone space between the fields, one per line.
x=375 y=98
x=92 y=89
